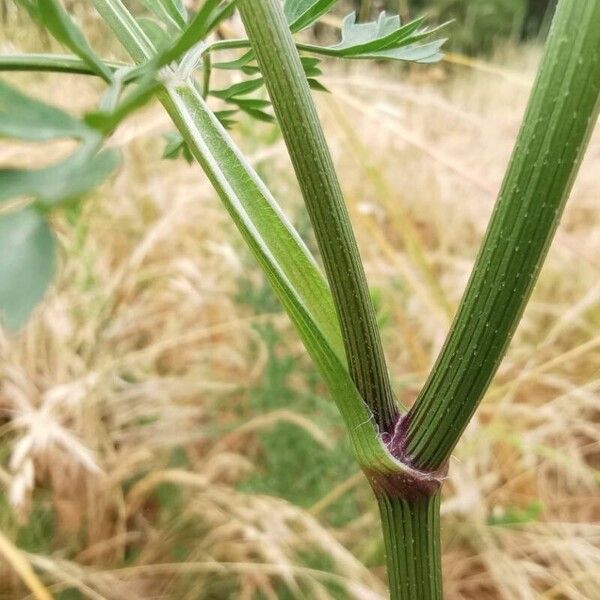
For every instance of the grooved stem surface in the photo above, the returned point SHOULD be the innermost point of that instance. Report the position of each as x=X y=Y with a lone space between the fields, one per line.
x=286 y=82
x=411 y=532
x=560 y=118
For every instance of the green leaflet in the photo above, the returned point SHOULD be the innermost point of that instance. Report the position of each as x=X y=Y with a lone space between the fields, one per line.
x=239 y=89
x=27 y=249
x=386 y=31
x=176 y=9
x=239 y=63
x=301 y=14
x=418 y=53
x=236 y=93
x=255 y=108
x=54 y=18
x=62 y=181
x=222 y=11
x=155 y=32
x=171 y=13
x=107 y=120
x=226 y=117
x=177 y=147
x=206 y=19
x=26 y=242
x=24 y=118
x=385 y=38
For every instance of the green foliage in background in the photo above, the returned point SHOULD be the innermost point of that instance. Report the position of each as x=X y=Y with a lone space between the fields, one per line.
x=285 y=446
x=478 y=26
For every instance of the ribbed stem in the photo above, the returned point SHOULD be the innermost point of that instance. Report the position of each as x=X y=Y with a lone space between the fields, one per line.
x=560 y=118
x=286 y=82
x=411 y=532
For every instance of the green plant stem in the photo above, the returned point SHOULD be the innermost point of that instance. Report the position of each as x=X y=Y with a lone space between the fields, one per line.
x=365 y=10
x=286 y=82
x=206 y=73
x=560 y=117
x=432 y=291
x=126 y=28
x=409 y=503
x=404 y=10
x=411 y=533
x=287 y=264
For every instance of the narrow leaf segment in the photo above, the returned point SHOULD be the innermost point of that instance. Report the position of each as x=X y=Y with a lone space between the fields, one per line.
x=27 y=119
x=52 y=16
x=303 y=13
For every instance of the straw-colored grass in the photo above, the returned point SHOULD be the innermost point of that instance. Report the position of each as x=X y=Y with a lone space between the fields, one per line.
x=126 y=411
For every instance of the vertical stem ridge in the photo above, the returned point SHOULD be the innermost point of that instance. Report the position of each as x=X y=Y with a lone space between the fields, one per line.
x=411 y=533
x=286 y=82
x=560 y=118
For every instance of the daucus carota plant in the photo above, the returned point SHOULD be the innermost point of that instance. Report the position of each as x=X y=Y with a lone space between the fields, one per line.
x=404 y=453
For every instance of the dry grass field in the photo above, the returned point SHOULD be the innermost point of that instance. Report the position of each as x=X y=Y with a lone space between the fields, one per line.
x=162 y=432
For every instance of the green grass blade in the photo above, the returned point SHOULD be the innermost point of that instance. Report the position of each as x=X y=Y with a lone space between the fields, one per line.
x=28 y=119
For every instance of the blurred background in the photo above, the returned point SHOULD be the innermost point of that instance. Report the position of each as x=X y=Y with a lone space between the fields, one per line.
x=162 y=431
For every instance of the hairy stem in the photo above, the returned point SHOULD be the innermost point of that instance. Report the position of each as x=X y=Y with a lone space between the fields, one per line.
x=560 y=117
x=286 y=82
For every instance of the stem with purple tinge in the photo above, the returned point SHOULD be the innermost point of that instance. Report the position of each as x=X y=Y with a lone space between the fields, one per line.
x=557 y=126
x=408 y=498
